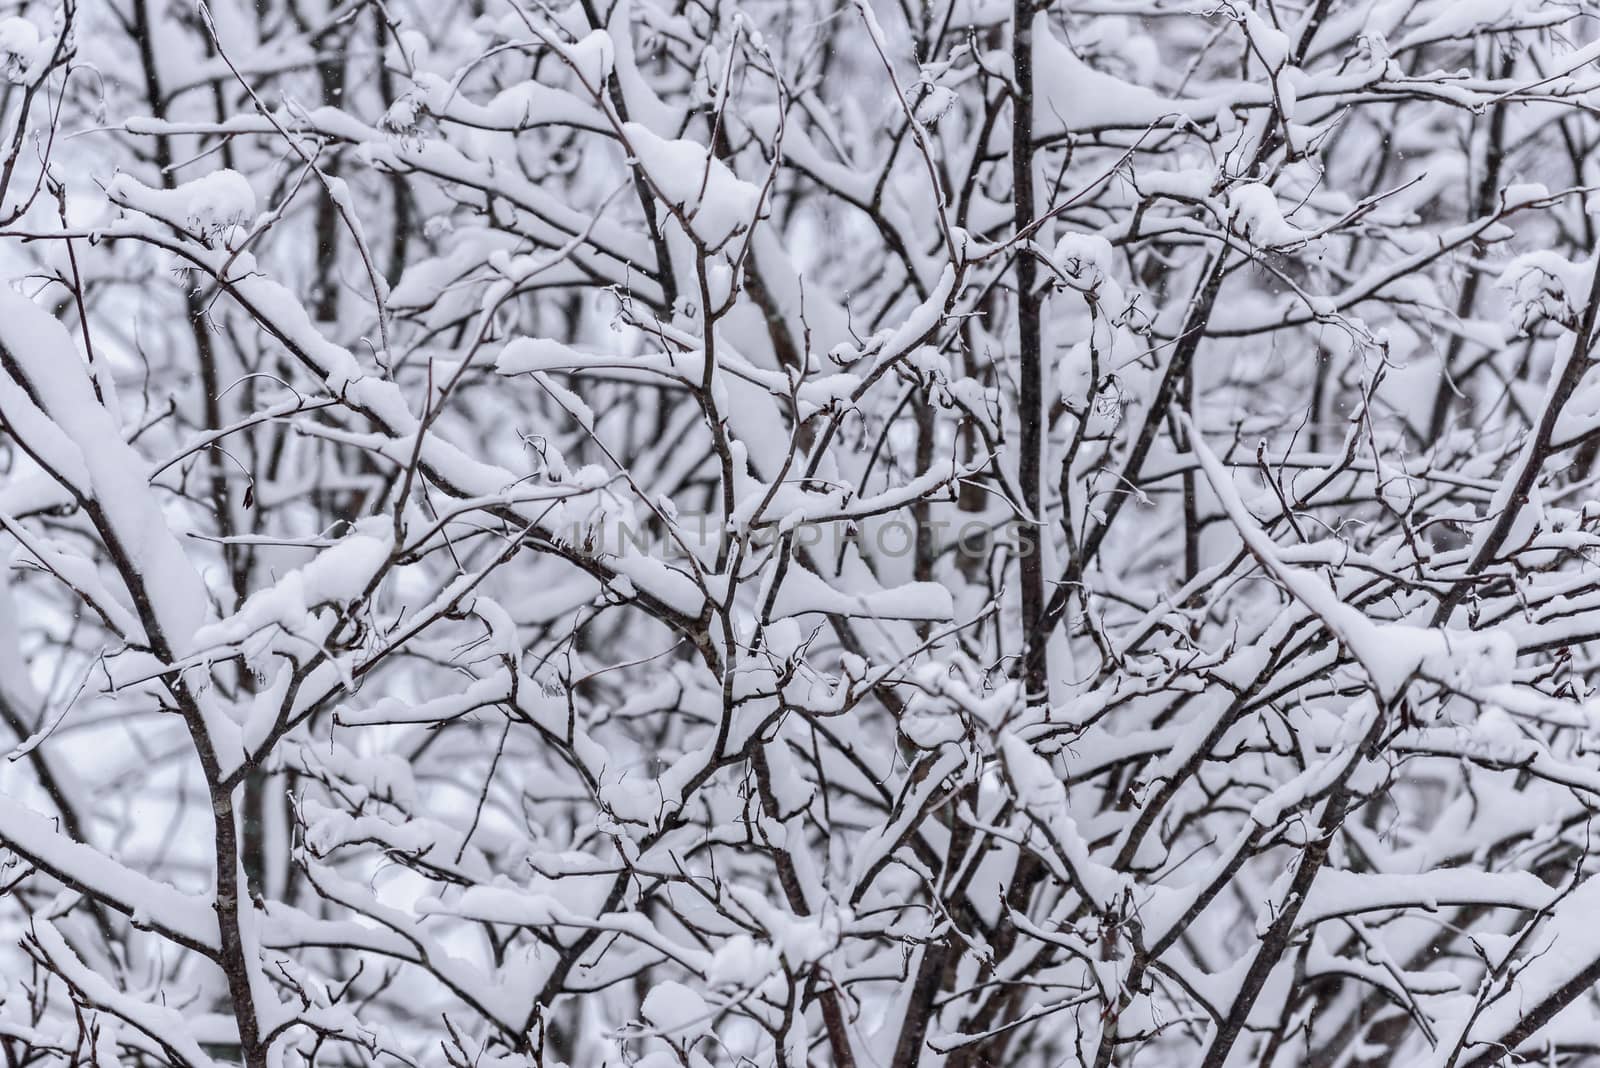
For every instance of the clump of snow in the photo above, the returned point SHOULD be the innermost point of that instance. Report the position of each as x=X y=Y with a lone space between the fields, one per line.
x=929 y=722
x=1524 y=193
x=717 y=203
x=676 y=1011
x=1543 y=286
x=1254 y=214
x=639 y=803
x=592 y=58
x=1087 y=256
x=210 y=206
x=524 y=354
x=1187 y=184
x=803 y=591
x=743 y=962
x=404 y=119
x=1461 y=18
x=1269 y=43
x=936 y=102
x=1040 y=792
x=1086 y=260
x=1069 y=94
x=22 y=52
x=338 y=574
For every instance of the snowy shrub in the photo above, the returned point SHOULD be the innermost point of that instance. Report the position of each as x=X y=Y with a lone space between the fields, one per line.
x=766 y=534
